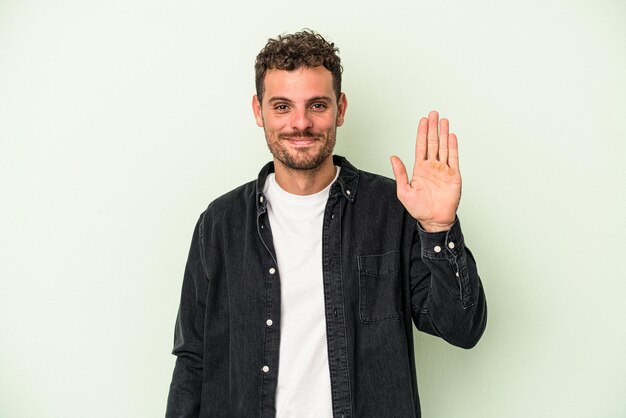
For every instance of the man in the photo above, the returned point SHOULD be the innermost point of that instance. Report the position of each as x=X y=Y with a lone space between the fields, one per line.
x=300 y=287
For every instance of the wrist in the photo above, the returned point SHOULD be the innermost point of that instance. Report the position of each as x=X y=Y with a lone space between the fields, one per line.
x=435 y=226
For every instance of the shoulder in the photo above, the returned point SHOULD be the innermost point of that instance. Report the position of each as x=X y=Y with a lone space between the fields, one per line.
x=377 y=192
x=235 y=204
x=365 y=182
x=375 y=187
x=229 y=212
x=376 y=181
x=235 y=198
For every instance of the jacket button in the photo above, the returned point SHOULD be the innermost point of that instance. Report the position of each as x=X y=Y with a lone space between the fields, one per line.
x=437 y=249
x=265 y=369
x=451 y=245
x=269 y=322
x=272 y=270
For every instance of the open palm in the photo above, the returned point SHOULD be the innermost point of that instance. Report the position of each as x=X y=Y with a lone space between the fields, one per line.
x=433 y=193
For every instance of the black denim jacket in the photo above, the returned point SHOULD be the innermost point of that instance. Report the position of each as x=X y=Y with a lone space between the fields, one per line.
x=380 y=271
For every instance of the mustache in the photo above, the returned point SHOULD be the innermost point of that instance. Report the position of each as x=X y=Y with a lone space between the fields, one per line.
x=307 y=133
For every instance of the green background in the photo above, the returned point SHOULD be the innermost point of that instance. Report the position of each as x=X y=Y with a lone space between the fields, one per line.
x=121 y=120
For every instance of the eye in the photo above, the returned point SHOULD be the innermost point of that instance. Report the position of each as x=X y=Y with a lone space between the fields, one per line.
x=318 y=106
x=281 y=107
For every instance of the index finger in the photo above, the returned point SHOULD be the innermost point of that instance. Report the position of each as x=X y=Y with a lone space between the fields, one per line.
x=420 y=142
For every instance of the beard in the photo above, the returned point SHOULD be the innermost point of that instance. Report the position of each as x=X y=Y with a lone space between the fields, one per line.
x=305 y=158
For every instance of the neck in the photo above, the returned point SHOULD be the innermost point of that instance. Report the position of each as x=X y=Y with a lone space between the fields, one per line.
x=305 y=182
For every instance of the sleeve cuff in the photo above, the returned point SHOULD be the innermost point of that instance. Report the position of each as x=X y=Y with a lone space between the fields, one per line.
x=442 y=245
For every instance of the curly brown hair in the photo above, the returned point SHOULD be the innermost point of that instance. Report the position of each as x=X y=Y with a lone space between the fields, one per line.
x=301 y=49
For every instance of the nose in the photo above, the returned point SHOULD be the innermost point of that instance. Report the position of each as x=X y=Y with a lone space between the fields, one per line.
x=301 y=120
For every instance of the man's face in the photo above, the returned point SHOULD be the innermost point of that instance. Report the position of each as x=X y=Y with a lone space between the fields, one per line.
x=300 y=114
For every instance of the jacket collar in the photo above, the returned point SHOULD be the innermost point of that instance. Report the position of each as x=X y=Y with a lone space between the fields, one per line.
x=346 y=183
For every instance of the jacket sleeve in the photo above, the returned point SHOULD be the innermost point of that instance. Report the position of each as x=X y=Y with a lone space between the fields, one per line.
x=447 y=296
x=186 y=387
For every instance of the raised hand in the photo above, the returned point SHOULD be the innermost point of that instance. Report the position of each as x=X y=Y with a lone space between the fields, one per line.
x=433 y=193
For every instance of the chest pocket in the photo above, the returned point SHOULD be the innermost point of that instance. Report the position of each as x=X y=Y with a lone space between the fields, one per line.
x=379 y=287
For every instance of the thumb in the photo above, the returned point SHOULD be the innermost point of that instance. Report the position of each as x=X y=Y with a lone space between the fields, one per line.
x=399 y=172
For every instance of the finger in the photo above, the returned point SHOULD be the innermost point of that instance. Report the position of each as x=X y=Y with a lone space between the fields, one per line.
x=399 y=172
x=420 y=142
x=433 y=135
x=453 y=152
x=444 y=128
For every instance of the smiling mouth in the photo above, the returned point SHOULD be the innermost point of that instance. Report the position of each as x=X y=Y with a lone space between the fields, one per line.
x=299 y=141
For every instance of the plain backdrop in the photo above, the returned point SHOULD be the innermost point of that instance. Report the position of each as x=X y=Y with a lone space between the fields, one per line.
x=121 y=120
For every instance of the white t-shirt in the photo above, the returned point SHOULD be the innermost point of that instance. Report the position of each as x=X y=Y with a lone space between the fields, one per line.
x=303 y=374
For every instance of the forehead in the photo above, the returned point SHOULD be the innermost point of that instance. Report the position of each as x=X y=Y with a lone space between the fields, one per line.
x=300 y=83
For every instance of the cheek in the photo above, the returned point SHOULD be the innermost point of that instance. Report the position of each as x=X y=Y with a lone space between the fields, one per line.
x=331 y=128
x=327 y=123
x=273 y=123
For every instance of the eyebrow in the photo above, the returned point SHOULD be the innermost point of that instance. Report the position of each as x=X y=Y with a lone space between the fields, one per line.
x=312 y=99
x=278 y=99
x=320 y=98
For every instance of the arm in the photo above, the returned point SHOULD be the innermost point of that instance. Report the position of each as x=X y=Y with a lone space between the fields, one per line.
x=447 y=297
x=446 y=294
x=186 y=387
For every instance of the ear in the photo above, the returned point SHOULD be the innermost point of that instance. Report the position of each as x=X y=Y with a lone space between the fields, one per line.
x=256 y=109
x=342 y=105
